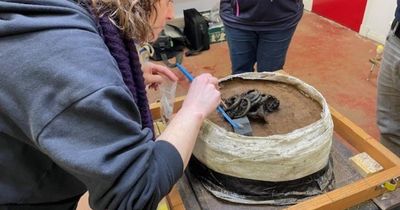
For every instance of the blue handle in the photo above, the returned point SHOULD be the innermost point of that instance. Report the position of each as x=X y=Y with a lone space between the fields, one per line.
x=227 y=118
x=185 y=72
x=219 y=108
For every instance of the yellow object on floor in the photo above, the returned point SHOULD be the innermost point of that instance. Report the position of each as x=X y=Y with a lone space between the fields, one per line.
x=163 y=205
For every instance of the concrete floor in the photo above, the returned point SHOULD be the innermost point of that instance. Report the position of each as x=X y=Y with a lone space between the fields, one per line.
x=326 y=55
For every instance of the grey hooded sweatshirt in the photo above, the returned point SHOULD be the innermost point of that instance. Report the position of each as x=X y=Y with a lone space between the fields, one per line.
x=67 y=121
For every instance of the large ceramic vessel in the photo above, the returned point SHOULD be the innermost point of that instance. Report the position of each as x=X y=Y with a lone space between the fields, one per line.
x=273 y=158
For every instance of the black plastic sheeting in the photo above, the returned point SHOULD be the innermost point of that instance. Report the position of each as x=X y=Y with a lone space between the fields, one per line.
x=248 y=191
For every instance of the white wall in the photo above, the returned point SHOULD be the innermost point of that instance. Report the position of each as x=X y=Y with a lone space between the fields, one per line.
x=376 y=23
x=378 y=16
x=307 y=4
x=203 y=5
x=200 y=5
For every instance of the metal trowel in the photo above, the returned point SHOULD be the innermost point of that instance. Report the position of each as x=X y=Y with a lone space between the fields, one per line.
x=240 y=125
x=244 y=126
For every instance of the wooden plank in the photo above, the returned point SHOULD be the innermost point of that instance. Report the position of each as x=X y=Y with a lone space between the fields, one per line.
x=156 y=127
x=155 y=107
x=159 y=127
x=175 y=200
x=315 y=203
x=384 y=176
x=362 y=141
x=360 y=192
x=351 y=194
x=179 y=207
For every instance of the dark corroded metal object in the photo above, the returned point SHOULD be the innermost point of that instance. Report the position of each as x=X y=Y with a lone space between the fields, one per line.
x=253 y=103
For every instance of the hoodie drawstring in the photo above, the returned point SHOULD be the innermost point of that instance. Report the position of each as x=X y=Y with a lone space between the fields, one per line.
x=237 y=8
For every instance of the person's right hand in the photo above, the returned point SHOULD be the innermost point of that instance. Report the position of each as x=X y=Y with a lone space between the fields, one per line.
x=202 y=99
x=203 y=96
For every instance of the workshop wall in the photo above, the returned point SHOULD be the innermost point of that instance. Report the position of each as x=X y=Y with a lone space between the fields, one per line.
x=374 y=18
x=200 y=5
x=308 y=4
x=345 y=12
x=377 y=19
x=203 y=5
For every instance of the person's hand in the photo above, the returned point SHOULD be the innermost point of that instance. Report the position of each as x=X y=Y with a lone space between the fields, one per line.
x=153 y=74
x=202 y=99
x=203 y=96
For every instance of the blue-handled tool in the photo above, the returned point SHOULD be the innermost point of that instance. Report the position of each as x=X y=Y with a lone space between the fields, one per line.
x=243 y=127
x=185 y=72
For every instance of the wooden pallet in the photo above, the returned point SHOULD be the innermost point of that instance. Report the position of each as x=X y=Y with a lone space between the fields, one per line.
x=343 y=197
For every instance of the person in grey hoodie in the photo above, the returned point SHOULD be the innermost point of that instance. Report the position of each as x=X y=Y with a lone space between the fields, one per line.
x=72 y=106
x=259 y=31
x=388 y=102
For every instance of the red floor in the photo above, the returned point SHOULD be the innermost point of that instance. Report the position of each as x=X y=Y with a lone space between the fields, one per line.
x=334 y=60
x=328 y=56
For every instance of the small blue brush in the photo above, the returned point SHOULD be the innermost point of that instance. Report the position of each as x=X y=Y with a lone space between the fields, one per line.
x=219 y=108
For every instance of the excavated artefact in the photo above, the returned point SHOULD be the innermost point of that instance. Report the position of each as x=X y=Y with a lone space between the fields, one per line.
x=253 y=104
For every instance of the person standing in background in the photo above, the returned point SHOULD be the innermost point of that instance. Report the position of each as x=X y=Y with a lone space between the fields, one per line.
x=259 y=32
x=388 y=103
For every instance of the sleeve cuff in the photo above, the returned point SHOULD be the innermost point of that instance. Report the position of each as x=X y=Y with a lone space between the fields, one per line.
x=169 y=161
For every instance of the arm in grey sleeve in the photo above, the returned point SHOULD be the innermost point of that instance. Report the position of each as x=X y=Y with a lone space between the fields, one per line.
x=99 y=140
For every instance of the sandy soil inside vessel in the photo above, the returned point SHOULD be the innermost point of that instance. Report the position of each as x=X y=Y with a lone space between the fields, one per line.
x=296 y=110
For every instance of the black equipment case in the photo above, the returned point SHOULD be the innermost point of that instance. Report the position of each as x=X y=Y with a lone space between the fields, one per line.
x=196 y=30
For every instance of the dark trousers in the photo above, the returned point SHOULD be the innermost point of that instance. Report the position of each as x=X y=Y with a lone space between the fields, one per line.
x=266 y=48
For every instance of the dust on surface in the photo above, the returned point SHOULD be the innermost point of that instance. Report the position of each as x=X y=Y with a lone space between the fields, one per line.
x=295 y=111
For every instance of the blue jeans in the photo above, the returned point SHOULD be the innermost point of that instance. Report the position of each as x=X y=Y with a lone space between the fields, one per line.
x=266 y=48
x=389 y=94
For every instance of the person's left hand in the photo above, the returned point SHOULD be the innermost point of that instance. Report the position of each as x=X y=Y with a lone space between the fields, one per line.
x=153 y=74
